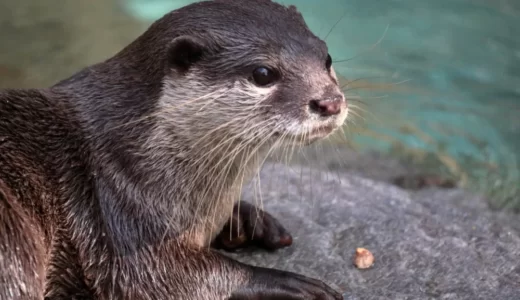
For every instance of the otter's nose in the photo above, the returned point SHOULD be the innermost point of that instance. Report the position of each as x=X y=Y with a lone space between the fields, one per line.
x=328 y=107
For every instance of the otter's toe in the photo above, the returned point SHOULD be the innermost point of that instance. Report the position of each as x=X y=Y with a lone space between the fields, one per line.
x=269 y=232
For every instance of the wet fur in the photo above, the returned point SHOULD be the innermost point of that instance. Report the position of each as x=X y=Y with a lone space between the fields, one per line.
x=104 y=183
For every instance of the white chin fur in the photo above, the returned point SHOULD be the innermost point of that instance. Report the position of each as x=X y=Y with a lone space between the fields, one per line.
x=299 y=130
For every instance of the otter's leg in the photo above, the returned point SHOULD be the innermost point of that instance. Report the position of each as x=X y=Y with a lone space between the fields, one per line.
x=272 y=284
x=22 y=254
x=175 y=271
x=250 y=225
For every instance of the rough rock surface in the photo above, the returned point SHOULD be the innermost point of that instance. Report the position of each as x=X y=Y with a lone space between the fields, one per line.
x=430 y=244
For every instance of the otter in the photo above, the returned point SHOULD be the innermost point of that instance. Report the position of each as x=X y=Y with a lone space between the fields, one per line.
x=120 y=181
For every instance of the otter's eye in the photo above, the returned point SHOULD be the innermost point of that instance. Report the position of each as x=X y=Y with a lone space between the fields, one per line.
x=263 y=76
x=328 y=62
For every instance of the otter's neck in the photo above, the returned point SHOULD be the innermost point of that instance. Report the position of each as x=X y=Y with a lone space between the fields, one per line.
x=150 y=184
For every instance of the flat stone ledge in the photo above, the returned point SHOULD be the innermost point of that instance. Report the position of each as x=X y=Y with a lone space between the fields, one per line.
x=431 y=244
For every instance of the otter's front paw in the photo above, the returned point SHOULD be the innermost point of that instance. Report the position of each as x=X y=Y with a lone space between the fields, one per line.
x=271 y=284
x=250 y=225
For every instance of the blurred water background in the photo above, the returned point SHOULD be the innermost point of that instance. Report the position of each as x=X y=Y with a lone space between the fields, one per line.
x=434 y=83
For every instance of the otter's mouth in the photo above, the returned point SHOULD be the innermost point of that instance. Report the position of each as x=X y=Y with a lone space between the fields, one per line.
x=306 y=138
x=321 y=132
x=318 y=133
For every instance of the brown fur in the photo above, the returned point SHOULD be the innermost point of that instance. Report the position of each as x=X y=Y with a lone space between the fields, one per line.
x=114 y=181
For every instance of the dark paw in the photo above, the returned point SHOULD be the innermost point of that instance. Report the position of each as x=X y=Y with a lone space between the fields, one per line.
x=270 y=284
x=251 y=226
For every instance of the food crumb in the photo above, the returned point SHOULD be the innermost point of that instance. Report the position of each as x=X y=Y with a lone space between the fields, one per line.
x=364 y=259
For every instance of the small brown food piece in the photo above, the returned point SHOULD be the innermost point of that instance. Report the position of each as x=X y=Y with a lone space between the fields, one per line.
x=363 y=258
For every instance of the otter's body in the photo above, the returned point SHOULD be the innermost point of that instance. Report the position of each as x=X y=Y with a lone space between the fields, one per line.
x=113 y=183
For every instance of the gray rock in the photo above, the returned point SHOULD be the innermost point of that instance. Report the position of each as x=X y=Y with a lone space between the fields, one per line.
x=431 y=244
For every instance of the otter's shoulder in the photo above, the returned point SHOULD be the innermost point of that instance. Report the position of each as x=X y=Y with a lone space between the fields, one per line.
x=15 y=102
x=23 y=102
x=31 y=112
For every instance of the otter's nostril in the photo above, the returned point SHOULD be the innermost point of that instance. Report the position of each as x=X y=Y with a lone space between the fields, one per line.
x=314 y=106
x=325 y=108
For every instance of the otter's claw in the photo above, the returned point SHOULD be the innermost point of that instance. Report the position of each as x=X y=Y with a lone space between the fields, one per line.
x=271 y=284
x=250 y=225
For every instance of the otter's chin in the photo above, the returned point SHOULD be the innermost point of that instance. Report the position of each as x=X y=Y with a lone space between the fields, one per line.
x=310 y=137
x=319 y=133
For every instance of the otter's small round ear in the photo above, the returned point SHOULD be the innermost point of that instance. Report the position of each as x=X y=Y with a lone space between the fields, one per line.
x=184 y=51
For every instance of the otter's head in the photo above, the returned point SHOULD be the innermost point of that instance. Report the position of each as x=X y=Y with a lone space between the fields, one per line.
x=247 y=71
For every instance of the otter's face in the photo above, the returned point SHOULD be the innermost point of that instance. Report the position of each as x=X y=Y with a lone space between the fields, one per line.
x=258 y=70
x=303 y=93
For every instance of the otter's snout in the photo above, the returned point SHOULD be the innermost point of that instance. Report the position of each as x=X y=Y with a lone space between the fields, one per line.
x=327 y=107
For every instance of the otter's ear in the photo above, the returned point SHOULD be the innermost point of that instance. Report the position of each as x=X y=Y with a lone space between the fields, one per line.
x=184 y=51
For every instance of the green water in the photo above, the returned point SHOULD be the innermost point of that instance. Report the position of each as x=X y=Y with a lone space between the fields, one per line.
x=456 y=65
